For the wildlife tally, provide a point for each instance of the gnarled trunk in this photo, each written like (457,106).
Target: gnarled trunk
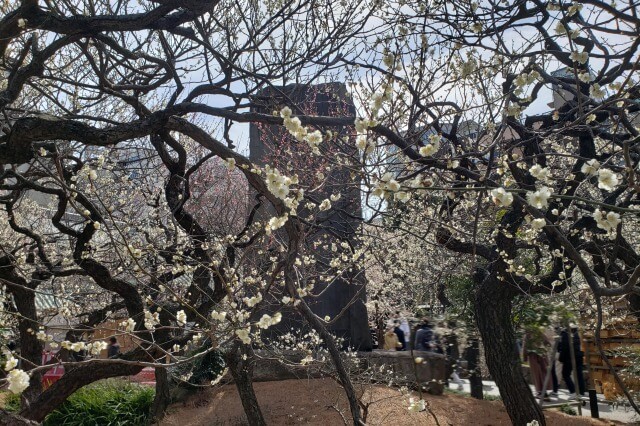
(242,371)
(71,381)
(162,398)
(493,314)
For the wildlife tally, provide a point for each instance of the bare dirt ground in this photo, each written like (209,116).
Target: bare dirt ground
(317,401)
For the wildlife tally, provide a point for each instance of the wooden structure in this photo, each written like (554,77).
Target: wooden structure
(621,335)
(112,328)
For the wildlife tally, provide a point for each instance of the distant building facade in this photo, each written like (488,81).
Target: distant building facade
(346,295)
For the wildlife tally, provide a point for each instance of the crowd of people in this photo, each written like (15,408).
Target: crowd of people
(400,336)
(536,349)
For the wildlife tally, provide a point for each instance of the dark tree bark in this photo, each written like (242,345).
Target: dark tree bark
(242,372)
(25,306)
(493,315)
(163,397)
(10,419)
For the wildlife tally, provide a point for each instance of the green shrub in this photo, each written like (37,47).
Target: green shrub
(12,402)
(566,408)
(203,369)
(108,403)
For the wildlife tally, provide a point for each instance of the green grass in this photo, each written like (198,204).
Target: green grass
(567,409)
(12,402)
(108,403)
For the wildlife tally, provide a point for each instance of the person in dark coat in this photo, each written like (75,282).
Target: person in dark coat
(113,349)
(400,334)
(452,351)
(565,359)
(424,337)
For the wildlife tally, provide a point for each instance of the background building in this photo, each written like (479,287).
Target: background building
(345,296)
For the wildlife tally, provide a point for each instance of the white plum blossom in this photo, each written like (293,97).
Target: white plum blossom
(580,57)
(129,325)
(218,316)
(608,221)
(96,347)
(590,168)
(11,363)
(540,198)
(243,335)
(151,320)
(276,223)
(402,196)
(277,183)
(253,301)
(432,147)
(230,163)
(295,128)
(501,197)
(607,179)
(416,405)
(267,321)
(393,185)
(286,112)
(585,77)
(314,139)
(78,346)
(538,223)
(325,205)
(18,381)
(597,92)
(362,125)
(514,109)
(181,318)
(540,172)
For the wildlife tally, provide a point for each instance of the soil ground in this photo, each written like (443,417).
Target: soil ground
(320,401)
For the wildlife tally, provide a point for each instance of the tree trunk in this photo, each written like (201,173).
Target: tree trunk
(163,397)
(71,381)
(242,372)
(475,376)
(11,419)
(30,346)
(493,314)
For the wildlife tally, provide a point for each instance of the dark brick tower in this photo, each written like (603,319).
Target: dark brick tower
(340,223)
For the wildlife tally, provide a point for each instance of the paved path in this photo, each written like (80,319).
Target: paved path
(607,410)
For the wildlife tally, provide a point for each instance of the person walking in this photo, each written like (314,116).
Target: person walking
(453,354)
(113,349)
(535,351)
(424,337)
(404,326)
(565,358)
